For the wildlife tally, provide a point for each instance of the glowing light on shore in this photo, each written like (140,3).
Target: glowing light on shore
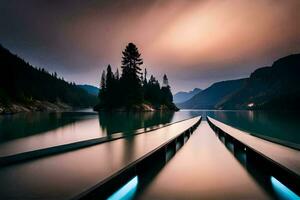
(250,105)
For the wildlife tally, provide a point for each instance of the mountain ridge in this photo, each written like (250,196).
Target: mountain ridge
(182,96)
(271,87)
(208,98)
(90,89)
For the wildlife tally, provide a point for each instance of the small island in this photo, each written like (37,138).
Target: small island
(132,91)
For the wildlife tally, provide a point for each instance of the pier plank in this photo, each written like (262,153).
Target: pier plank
(284,156)
(203,169)
(66,175)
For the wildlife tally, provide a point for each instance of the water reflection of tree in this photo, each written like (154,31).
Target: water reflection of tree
(26,124)
(113,122)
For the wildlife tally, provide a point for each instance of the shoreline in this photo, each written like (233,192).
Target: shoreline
(138,108)
(34,106)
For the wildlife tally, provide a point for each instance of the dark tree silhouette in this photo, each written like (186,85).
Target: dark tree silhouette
(165,81)
(103,81)
(131,60)
(145,77)
(132,88)
(109,84)
(117,76)
(130,79)
(166,94)
(111,89)
(22,83)
(102,91)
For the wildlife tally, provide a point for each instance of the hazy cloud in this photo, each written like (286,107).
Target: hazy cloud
(194,42)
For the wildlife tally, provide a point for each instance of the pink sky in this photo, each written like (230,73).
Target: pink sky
(195,42)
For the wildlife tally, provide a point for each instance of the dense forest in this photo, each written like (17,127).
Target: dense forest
(22,83)
(132,90)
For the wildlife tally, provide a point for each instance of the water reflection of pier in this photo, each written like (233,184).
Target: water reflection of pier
(271,158)
(77,173)
(165,163)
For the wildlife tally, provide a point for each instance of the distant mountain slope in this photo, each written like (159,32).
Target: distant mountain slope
(90,89)
(180,97)
(213,95)
(275,87)
(22,83)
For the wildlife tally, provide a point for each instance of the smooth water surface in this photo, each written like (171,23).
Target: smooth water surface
(279,127)
(31,131)
(66,175)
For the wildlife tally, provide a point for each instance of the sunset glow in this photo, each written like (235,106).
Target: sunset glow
(228,39)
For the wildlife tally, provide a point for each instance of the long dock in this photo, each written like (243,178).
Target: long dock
(22,153)
(79,173)
(279,160)
(203,169)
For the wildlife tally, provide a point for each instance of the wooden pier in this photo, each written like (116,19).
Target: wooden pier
(193,164)
(281,161)
(203,169)
(84,172)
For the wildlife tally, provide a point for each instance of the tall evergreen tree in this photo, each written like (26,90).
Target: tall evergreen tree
(152,91)
(165,81)
(103,81)
(116,93)
(131,60)
(102,91)
(166,94)
(109,78)
(131,71)
(145,76)
(117,76)
(110,88)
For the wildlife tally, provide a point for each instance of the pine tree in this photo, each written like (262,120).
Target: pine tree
(103,81)
(102,90)
(109,78)
(166,94)
(131,82)
(116,91)
(152,91)
(131,60)
(117,76)
(110,88)
(165,81)
(145,76)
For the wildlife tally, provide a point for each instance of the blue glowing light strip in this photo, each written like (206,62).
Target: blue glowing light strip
(127,191)
(283,191)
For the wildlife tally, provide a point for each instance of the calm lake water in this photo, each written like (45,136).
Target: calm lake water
(280,127)
(30,131)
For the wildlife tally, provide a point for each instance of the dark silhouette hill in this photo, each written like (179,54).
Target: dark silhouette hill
(274,87)
(23,84)
(90,89)
(180,97)
(213,95)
